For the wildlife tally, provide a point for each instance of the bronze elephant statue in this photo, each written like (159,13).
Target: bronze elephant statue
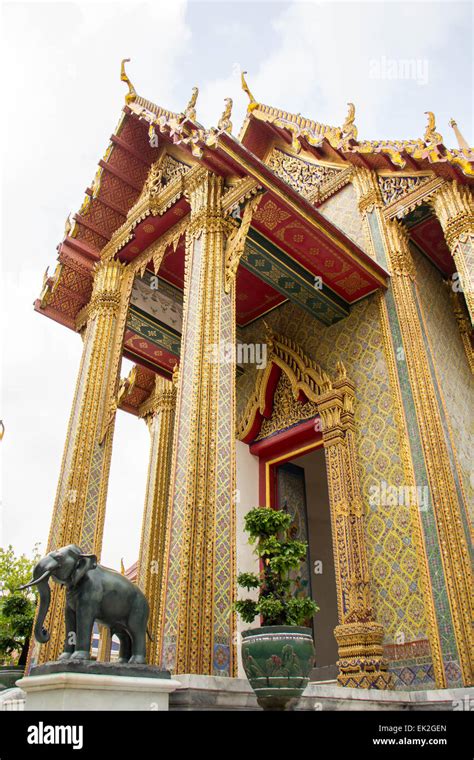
(93,593)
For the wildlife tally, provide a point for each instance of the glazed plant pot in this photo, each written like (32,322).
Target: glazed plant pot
(277,660)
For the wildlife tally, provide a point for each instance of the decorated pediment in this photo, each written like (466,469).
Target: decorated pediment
(396,186)
(306,177)
(287,410)
(162,172)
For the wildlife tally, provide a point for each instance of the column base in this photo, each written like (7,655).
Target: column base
(361,662)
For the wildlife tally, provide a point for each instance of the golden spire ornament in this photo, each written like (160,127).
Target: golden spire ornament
(131,94)
(349,129)
(431,136)
(225,124)
(253,103)
(190,110)
(67,226)
(2,429)
(462,142)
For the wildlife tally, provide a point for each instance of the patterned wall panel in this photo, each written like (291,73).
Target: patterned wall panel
(341,209)
(454,375)
(357,341)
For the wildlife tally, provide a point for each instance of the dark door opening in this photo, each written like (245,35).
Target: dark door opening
(301,489)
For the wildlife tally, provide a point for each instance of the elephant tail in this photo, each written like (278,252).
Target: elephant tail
(149,634)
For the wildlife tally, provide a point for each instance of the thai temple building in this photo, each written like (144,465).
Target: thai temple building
(298,305)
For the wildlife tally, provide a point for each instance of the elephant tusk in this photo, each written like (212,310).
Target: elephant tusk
(35,583)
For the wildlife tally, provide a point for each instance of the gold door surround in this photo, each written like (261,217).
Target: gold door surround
(359,637)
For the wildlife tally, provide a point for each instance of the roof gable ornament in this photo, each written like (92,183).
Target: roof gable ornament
(224,124)
(253,103)
(431,136)
(349,129)
(430,148)
(132,93)
(190,110)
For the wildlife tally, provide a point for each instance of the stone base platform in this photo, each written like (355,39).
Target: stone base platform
(97,686)
(56,690)
(218,693)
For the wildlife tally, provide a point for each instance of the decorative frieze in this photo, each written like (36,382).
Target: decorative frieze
(302,176)
(396,186)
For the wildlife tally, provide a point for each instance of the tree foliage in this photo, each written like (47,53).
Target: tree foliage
(17,608)
(280,556)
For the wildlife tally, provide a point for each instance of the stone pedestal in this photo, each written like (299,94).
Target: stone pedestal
(97,686)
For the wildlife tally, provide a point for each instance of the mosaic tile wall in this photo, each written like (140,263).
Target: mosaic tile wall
(357,341)
(454,375)
(341,209)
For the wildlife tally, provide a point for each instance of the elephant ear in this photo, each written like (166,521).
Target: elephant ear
(85,563)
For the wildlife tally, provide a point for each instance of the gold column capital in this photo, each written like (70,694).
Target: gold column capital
(454,206)
(162,398)
(204,190)
(331,409)
(106,291)
(398,249)
(367,187)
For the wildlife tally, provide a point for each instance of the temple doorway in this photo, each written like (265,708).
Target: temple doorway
(293,477)
(301,489)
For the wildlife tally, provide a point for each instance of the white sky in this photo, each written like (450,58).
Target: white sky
(61,98)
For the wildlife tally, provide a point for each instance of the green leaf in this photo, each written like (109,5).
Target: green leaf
(247,610)
(248,580)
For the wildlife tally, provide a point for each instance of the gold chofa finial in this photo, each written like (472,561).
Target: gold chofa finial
(431,136)
(349,129)
(2,429)
(67,225)
(131,94)
(122,566)
(462,142)
(190,110)
(224,123)
(253,103)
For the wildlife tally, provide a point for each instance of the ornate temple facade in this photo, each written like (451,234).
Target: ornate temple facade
(298,307)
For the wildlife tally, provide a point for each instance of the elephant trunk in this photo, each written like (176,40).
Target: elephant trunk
(41,573)
(41,634)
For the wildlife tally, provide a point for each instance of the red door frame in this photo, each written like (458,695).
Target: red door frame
(276,449)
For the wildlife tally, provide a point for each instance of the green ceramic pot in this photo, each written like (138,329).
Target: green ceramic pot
(277,660)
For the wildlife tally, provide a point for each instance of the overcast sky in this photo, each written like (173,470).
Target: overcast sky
(61,99)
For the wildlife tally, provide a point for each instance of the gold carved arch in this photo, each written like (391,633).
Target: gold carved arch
(359,636)
(307,380)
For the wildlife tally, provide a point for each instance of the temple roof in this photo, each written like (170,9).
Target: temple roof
(293,237)
(429,152)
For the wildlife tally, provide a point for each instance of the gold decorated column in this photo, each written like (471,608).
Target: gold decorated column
(200,552)
(439,531)
(464,324)
(79,509)
(104,649)
(447,499)
(454,207)
(359,636)
(158,412)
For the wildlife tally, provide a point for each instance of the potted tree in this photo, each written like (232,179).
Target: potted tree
(277,656)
